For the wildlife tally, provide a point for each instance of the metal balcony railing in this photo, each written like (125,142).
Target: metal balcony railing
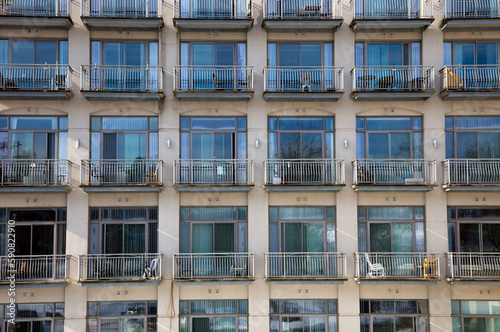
(213,78)
(387,265)
(471,78)
(304,172)
(122,8)
(101,172)
(391,9)
(36,268)
(39,8)
(213,9)
(121,78)
(472,265)
(119,267)
(409,172)
(303,9)
(469,8)
(214,266)
(304,79)
(305,265)
(471,171)
(392,78)
(214,172)
(35,172)
(45,77)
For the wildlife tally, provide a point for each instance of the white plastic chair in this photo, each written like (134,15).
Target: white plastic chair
(375,270)
(151,271)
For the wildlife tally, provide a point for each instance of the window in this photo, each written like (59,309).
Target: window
(394,315)
(29,52)
(111,53)
(33,137)
(301,138)
(215,66)
(389,137)
(396,229)
(124,138)
(472,229)
(387,54)
(140,316)
(211,316)
(470,53)
(475,316)
(297,66)
(216,148)
(116,230)
(34,317)
(303,315)
(472,137)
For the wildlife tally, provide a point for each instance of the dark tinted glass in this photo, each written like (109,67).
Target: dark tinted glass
(33,215)
(205,123)
(305,123)
(388,123)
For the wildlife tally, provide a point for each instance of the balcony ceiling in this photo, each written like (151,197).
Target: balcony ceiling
(214,95)
(376,25)
(391,95)
(35,95)
(36,22)
(123,95)
(303,96)
(470,24)
(392,188)
(122,23)
(200,24)
(470,95)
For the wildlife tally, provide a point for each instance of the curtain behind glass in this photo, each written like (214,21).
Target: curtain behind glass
(202,238)
(224,237)
(202,324)
(225,324)
(134,238)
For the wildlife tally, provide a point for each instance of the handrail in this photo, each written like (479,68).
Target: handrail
(38,8)
(390,265)
(394,172)
(213,172)
(122,8)
(215,266)
(471,172)
(121,78)
(35,77)
(213,78)
(216,10)
(302,9)
(121,267)
(470,77)
(392,78)
(304,172)
(35,268)
(391,9)
(303,79)
(305,265)
(469,9)
(472,265)
(98,172)
(35,172)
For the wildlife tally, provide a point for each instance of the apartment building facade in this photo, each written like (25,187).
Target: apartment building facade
(207,165)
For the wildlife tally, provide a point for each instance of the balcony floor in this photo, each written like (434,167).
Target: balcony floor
(214,95)
(471,94)
(124,96)
(472,188)
(289,25)
(392,188)
(397,281)
(377,25)
(470,24)
(137,188)
(199,24)
(391,95)
(35,95)
(302,96)
(38,22)
(302,188)
(196,188)
(113,23)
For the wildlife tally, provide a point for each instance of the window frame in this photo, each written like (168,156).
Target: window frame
(147,317)
(419,305)
(279,315)
(475,42)
(459,316)
(97,49)
(363,58)
(183,316)
(58,42)
(4,323)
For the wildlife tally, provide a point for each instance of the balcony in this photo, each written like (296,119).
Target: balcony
(297,15)
(122,14)
(137,175)
(204,83)
(303,83)
(194,175)
(304,174)
(471,174)
(35,82)
(35,175)
(213,14)
(470,82)
(472,266)
(385,83)
(214,267)
(132,83)
(391,15)
(393,175)
(396,267)
(469,15)
(119,267)
(39,14)
(302,266)
(40,269)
